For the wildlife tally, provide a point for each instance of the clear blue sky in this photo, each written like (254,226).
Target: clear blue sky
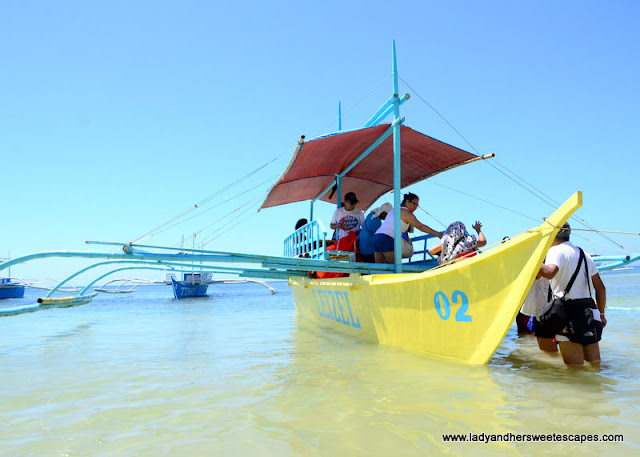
(117,116)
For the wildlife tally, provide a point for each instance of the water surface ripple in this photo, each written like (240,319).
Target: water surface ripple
(239,373)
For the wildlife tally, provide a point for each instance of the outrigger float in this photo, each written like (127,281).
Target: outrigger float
(460,311)
(613,262)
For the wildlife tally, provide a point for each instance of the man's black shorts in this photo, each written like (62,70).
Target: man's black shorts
(582,328)
(540,331)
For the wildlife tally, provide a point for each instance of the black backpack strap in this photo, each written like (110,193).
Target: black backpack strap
(575,274)
(586,271)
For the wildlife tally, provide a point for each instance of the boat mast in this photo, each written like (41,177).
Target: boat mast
(396,163)
(338,177)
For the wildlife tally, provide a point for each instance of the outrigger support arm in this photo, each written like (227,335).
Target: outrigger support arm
(272,266)
(164,266)
(88,286)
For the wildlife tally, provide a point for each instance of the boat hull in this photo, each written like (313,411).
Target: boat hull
(461,311)
(11,291)
(182,289)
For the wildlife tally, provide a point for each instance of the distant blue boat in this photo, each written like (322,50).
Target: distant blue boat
(10,288)
(191,285)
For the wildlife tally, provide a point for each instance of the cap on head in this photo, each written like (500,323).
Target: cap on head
(351,198)
(564,232)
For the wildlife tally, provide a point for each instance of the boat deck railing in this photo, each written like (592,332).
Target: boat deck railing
(308,241)
(421,255)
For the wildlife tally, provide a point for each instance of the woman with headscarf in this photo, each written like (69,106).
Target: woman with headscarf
(458,243)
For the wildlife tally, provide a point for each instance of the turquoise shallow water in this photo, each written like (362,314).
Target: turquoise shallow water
(239,373)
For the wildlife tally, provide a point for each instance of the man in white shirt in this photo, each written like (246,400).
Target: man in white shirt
(579,340)
(347,218)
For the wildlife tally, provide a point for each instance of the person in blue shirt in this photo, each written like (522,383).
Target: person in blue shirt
(371,223)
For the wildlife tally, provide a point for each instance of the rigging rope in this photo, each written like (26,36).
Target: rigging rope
(248,207)
(270,179)
(602,231)
(522,214)
(431,216)
(524,183)
(486,201)
(162,227)
(322,130)
(157,229)
(257,199)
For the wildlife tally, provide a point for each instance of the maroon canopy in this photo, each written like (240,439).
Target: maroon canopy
(315,164)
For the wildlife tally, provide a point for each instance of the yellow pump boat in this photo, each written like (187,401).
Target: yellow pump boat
(461,311)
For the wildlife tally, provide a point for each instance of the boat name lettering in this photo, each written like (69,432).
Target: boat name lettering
(334,305)
(443,308)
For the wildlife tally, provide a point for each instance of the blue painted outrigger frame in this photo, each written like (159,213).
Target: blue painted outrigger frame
(611,262)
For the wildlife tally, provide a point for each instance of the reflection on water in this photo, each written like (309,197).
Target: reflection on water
(347,398)
(240,374)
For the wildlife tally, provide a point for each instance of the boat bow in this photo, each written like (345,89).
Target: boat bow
(460,311)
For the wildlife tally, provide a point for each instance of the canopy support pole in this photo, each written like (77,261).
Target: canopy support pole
(397,248)
(338,177)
